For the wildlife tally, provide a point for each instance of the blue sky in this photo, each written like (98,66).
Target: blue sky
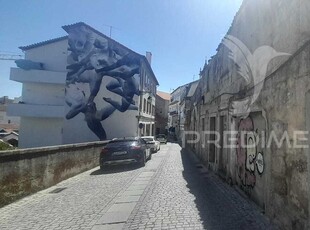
(181,34)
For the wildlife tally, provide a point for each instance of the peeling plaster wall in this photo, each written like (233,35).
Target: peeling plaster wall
(26,171)
(282,190)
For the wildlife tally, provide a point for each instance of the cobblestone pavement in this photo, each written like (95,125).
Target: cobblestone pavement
(182,198)
(168,193)
(79,206)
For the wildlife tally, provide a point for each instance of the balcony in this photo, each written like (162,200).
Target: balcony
(38,76)
(31,110)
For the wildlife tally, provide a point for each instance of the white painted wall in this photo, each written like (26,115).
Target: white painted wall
(38,132)
(4,118)
(43,94)
(53,56)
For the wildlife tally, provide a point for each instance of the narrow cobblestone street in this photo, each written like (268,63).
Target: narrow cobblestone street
(168,193)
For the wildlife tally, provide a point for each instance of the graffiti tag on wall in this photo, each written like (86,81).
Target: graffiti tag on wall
(247,157)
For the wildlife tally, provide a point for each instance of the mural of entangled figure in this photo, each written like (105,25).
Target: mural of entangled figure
(91,58)
(78,103)
(246,152)
(124,89)
(124,84)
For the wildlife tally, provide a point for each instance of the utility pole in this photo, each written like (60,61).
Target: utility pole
(111,27)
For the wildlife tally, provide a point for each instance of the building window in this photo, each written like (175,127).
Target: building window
(144,105)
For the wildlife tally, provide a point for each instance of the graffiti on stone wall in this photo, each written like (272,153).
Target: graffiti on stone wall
(91,58)
(248,160)
(260,163)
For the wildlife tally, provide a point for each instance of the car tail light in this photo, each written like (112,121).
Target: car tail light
(137,156)
(103,151)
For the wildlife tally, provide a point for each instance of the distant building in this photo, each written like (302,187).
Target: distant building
(161,112)
(5,119)
(9,125)
(9,136)
(83,87)
(176,108)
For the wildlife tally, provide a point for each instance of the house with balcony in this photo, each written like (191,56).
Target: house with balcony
(83,87)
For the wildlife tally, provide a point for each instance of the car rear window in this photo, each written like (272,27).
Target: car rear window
(121,142)
(148,139)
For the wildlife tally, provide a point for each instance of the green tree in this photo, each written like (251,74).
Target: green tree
(5,146)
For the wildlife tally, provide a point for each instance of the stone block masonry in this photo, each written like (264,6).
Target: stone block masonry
(26,171)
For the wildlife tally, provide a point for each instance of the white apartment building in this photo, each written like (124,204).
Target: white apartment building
(83,87)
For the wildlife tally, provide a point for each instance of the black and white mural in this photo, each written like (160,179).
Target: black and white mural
(92,58)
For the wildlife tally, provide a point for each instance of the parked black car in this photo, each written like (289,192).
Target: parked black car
(125,151)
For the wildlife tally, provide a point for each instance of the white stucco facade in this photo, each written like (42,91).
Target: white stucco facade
(49,98)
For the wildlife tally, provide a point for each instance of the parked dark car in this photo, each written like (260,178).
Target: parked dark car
(125,151)
(161,138)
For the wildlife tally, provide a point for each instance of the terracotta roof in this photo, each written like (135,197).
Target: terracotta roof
(163,95)
(9,127)
(35,45)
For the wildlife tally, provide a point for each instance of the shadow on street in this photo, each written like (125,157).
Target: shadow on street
(220,206)
(115,169)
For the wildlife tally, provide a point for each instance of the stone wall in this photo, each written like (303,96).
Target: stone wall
(26,171)
(281,187)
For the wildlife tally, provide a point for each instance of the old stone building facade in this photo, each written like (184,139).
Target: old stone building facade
(161,112)
(250,115)
(177,108)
